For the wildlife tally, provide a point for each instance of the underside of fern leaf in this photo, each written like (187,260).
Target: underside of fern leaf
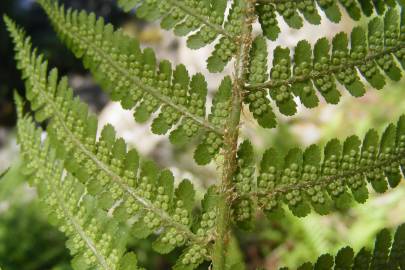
(121,183)
(134,77)
(303,179)
(376,54)
(202,21)
(101,193)
(95,239)
(292,12)
(388,254)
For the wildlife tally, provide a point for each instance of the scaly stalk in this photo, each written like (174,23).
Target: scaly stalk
(231,138)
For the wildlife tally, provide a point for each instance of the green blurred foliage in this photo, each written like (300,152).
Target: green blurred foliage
(27,241)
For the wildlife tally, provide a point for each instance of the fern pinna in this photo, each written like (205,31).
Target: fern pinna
(101,193)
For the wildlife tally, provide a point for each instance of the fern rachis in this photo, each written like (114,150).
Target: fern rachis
(132,197)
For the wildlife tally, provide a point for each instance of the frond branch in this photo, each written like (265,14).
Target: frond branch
(305,180)
(371,57)
(124,73)
(23,46)
(81,231)
(324,181)
(388,253)
(164,99)
(47,175)
(148,205)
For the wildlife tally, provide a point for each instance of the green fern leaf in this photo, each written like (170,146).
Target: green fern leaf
(362,260)
(324,262)
(133,76)
(372,53)
(281,70)
(201,21)
(194,255)
(259,105)
(112,175)
(270,167)
(305,89)
(221,107)
(293,11)
(368,6)
(369,153)
(128,261)
(381,250)
(386,255)
(306,266)
(95,240)
(301,180)
(244,205)
(351,153)
(344,258)
(226,47)
(268,21)
(397,256)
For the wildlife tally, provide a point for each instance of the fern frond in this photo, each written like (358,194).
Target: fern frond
(292,12)
(114,176)
(302,179)
(202,21)
(372,53)
(95,240)
(133,77)
(388,254)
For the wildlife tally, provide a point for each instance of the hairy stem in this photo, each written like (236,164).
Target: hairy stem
(231,138)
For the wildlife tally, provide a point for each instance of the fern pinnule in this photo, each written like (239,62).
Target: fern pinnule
(244,206)
(388,253)
(212,143)
(259,104)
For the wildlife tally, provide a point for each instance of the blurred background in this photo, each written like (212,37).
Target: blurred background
(28,242)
